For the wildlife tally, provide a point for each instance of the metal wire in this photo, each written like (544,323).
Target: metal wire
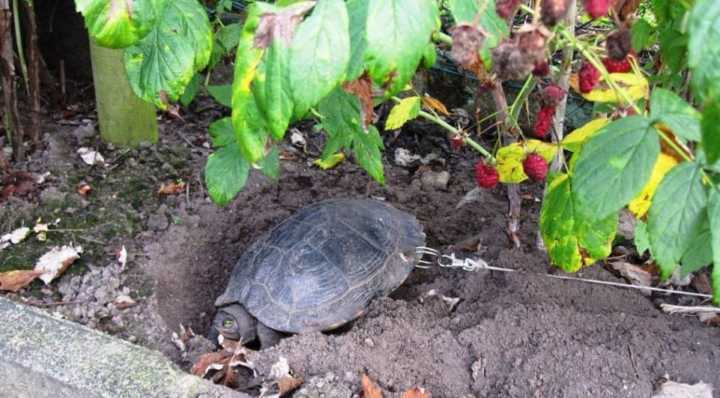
(473,265)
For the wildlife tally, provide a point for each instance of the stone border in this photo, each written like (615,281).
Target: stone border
(42,356)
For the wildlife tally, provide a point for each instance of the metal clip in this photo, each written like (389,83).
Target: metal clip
(448,261)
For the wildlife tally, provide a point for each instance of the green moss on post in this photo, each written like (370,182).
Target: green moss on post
(124,118)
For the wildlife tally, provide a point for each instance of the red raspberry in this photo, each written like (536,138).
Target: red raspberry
(597,8)
(614,66)
(589,77)
(552,11)
(552,94)
(543,120)
(505,8)
(535,167)
(541,68)
(486,176)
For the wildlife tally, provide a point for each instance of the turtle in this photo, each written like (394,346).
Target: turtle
(317,270)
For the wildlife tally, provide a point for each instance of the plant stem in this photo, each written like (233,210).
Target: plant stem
(442,38)
(447,126)
(19,44)
(563,81)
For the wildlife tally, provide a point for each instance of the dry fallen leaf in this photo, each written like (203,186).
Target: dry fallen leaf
(415,393)
(56,261)
(123,302)
(122,257)
(171,188)
(287,384)
(16,236)
(636,275)
(12,281)
(90,157)
(370,389)
(435,104)
(211,361)
(83,189)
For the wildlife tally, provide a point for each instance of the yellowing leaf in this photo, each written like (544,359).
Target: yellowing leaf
(407,109)
(435,104)
(574,141)
(640,205)
(509,158)
(330,162)
(636,87)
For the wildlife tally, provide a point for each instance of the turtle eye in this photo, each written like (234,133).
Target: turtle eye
(228,323)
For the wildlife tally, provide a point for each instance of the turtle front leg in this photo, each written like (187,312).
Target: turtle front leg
(267,336)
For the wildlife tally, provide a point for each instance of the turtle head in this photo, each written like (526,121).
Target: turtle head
(235,323)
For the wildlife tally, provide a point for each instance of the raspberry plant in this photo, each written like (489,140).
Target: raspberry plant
(653,146)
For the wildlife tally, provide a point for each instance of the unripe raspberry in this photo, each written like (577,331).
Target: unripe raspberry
(535,167)
(597,8)
(614,66)
(505,8)
(543,121)
(552,11)
(619,44)
(486,176)
(552,94)
(589,77)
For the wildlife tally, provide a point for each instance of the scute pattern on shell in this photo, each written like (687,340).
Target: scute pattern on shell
(320,267)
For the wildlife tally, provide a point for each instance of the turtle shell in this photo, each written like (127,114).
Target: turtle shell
(320,267)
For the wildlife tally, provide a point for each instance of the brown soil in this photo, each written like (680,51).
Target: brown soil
(510,335)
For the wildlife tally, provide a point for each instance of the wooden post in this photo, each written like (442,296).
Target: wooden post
(124,119)
(11,120)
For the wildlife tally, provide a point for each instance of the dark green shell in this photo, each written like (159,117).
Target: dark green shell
(320,268)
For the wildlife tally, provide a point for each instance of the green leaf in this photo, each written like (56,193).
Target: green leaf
(161,65)
(398,32)
(248,122)
(668,108)
(699,254)
(342,122)
(714,217)
(222,94)
(191,90)
(675,214)
(228,36)
(358,13)
(367,147)
(430,56)
(642,240)
(271,88)
(641,34)
(407,109)
(119,24)
(704,48)
(319,54)
(226,173)
(341,113)
(711,130)
(330,162)
(614,165)
(572,239)
(270,164)
(221,133)
(494,27)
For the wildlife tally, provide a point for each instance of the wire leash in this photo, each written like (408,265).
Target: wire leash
(473,265)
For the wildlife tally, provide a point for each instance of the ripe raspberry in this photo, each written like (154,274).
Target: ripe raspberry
(597,8)
(552,11)
(619,44)
(505,8)
(589,77)
(614,66)
(486,176)
(543,120)
(535,167)
(552,94)
(541,69)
